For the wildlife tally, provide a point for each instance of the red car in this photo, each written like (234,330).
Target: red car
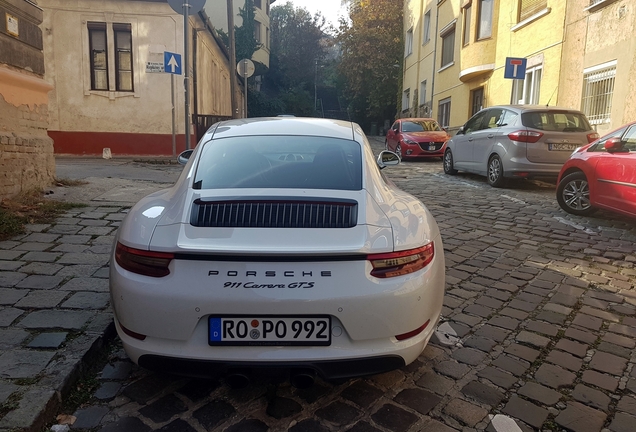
(416,138)
(601,175)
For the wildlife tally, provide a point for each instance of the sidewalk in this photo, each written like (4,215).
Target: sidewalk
(54,300)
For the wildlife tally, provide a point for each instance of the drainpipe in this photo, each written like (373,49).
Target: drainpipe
(195,98)
(434,57)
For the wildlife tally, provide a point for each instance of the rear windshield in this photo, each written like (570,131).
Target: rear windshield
(557,121)
(280,162)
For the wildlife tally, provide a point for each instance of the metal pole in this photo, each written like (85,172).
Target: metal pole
(186,66)
(315,87)
(174,125)
(245,82)
(230,32)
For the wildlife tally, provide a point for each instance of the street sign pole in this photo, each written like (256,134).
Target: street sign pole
(186,67)
(245,82)
(174,126)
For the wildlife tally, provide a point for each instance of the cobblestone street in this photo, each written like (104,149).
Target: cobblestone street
(538,329)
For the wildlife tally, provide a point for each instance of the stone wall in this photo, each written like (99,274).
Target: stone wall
(26,151)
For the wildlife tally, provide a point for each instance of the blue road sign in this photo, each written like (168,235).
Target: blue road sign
(515,68)
(172,63)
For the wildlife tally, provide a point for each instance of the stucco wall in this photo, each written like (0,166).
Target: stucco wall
(26,152)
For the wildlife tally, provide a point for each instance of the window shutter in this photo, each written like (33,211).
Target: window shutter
(527,8)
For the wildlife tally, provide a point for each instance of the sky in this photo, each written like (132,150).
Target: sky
(330,9)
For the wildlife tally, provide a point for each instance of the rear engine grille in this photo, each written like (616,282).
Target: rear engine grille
(426,146)
(275,214)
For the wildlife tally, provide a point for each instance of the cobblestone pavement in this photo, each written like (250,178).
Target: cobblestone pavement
(538,331)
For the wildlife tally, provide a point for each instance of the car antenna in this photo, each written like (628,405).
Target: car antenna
(555,89)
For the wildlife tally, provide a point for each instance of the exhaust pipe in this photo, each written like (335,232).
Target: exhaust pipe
(238,378)
(302,378)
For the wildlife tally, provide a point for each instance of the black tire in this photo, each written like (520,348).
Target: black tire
(573,194)
(495,172)
(448,163)
(398,151)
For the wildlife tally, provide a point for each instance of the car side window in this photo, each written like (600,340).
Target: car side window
(629,140)
(600,145)
(396,126)
(493,118)
(475,123)
(508,118)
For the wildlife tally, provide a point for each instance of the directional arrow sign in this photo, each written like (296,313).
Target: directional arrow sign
(172,62)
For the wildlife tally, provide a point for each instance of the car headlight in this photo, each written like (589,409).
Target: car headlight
(408,141)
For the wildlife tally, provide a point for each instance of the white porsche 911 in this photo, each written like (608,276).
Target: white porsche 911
(281,244)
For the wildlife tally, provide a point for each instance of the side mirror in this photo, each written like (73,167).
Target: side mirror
(387,158)
(460,131)
(184,156)
(614,145)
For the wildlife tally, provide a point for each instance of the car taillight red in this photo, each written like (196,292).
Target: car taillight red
(592,137)
(147,263)
(412,333)
(393,264)
(525,136)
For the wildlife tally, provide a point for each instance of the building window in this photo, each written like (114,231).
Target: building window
(477,100)
(443,112)
(123,57)
(466,35)
(423,92)
(598,89)
(484,21)
(448,46)
(266,37)
(527,91)
(408,43)
(406,99)
(258,4)
(427,27)
(257,31)
(527,8)
(98,55)
(267,7)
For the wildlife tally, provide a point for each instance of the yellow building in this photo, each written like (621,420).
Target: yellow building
(458,57)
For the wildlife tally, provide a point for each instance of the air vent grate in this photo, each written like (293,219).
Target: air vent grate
(275,214)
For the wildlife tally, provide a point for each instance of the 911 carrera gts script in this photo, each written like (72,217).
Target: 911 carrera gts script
(254,285)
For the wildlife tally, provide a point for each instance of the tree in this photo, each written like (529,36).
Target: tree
(371,45)
(246,44)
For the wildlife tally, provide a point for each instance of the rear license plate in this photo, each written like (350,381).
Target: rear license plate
(267,330)
(561,147)
(431,146)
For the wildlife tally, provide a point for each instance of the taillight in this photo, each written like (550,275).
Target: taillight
(412,333)
(143,262)
(591,137)
(393,264)
(525,136)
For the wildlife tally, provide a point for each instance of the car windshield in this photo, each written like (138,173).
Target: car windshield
(556,121)
(420,126)
(294,162)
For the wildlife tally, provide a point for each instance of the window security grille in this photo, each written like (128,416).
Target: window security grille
(598,89)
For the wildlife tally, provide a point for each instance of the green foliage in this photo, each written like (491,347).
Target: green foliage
(371,44)
(246,44)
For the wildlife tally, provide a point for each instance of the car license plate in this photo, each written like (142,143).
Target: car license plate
(431,146)
(561,147)
(269,330)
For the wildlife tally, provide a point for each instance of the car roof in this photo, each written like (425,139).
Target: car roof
(284,126)
(542,108)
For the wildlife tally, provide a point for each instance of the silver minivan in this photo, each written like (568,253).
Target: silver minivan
(517,141)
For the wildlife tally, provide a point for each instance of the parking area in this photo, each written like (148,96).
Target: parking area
(538,333)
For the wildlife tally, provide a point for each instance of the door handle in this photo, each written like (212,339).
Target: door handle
(470,139)
(490,135)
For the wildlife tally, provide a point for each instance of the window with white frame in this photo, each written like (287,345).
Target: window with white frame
(423,92)
(406,99)
(102,52)
(527,91)
(484,19)
(598,90)
(443,112)
(408,42)
(527,8)
(427,27)
(448,45)
(257,31)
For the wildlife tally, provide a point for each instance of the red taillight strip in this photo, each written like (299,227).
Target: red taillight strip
(132,333)
(414,332)
(386,265)
(147,263)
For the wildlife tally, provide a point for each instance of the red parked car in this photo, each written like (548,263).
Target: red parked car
(416,138)
(601,175)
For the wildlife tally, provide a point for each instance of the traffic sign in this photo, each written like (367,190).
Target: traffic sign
(515,68)
(245,68)
(172,62)
(193,6)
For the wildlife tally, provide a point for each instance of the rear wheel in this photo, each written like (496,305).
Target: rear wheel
(495,172)
(573,194)
(448,163)
(398,151)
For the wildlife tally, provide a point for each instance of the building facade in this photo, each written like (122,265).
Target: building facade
(217,10)
(576,53)
(26,151)
(105,59)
